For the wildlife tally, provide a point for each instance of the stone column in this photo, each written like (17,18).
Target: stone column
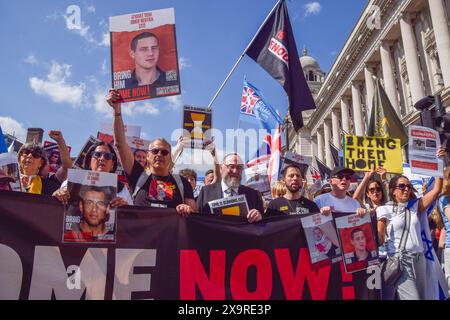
(388,73)
(442,36)
(344,115)
(370,86)
(335,126)
(411,57)
(327,133)
(320,145)
(357,109)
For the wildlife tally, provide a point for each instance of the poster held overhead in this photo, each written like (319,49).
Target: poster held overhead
(197,125)
(423,145)
(144,55)
(367,153)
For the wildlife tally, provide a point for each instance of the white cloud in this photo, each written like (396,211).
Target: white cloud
(104,67)
(183,63)
(55,86)
(13,127)
(54,16)
(91,8)
(31,59)
(312,8)
(175,103)
(106,40)
(134,109)
(100,104)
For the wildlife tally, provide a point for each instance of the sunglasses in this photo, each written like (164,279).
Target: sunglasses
(373,190)
(106,155)
(163,152)
(35,153)
(343,176)
(404,186)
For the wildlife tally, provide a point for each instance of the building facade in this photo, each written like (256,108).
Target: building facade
(405,44)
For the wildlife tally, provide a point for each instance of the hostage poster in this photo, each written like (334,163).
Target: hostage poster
(144,56)
(89,217)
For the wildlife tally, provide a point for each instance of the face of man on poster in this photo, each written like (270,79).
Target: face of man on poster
(145,53)
(359,241)
(94,208)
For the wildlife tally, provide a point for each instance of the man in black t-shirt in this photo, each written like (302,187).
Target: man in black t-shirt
(292,202)
(160,188)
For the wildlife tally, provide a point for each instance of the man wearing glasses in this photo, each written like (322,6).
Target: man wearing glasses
(160,189)
(229,186)
(337,200)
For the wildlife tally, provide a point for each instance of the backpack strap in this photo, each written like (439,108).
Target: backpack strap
(180,185)
(140,183)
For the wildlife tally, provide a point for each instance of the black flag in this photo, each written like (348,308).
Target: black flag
(325,171)
(274,49)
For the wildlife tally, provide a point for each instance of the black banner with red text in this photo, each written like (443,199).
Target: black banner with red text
(160,255)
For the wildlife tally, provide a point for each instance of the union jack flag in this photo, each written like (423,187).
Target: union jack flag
(250,97)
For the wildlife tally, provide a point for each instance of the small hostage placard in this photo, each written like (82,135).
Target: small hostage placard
(423,145)
(144,55)
(231,206)
(366,153)
(197,124)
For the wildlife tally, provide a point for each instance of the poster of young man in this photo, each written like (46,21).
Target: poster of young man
(144,55)
(322,239)
(357,242)
(53,156)
(88,217)
(197,125)
(9,172)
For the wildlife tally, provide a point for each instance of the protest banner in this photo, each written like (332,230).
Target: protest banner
(78,163)
(144,55)
(367,153)
(231,206)
(161,255)
(197,125)
(130,130)
(357,241)
(9,167)
(53,155)
(88,217)
(322,239)
(258,179)
(293,158)
(423,145)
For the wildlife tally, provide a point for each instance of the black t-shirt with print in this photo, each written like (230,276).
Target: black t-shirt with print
(158,191)
(291,207)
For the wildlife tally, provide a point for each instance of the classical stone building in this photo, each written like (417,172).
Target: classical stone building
(406,44)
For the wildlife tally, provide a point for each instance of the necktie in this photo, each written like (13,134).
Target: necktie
(230,192)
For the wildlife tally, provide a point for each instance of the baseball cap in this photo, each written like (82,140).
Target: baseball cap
(341,170)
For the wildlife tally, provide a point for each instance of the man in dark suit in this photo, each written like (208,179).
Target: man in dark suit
(230,185)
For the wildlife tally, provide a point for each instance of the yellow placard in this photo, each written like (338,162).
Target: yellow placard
(366,153)
(231,211)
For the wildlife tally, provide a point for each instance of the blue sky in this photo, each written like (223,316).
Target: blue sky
(56,78)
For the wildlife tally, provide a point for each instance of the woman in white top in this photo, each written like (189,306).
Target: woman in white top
(391,221)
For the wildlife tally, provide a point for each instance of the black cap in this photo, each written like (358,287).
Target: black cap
(343,170)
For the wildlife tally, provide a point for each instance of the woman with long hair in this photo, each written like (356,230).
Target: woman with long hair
(391,217)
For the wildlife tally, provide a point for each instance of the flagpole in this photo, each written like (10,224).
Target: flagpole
(242,55)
